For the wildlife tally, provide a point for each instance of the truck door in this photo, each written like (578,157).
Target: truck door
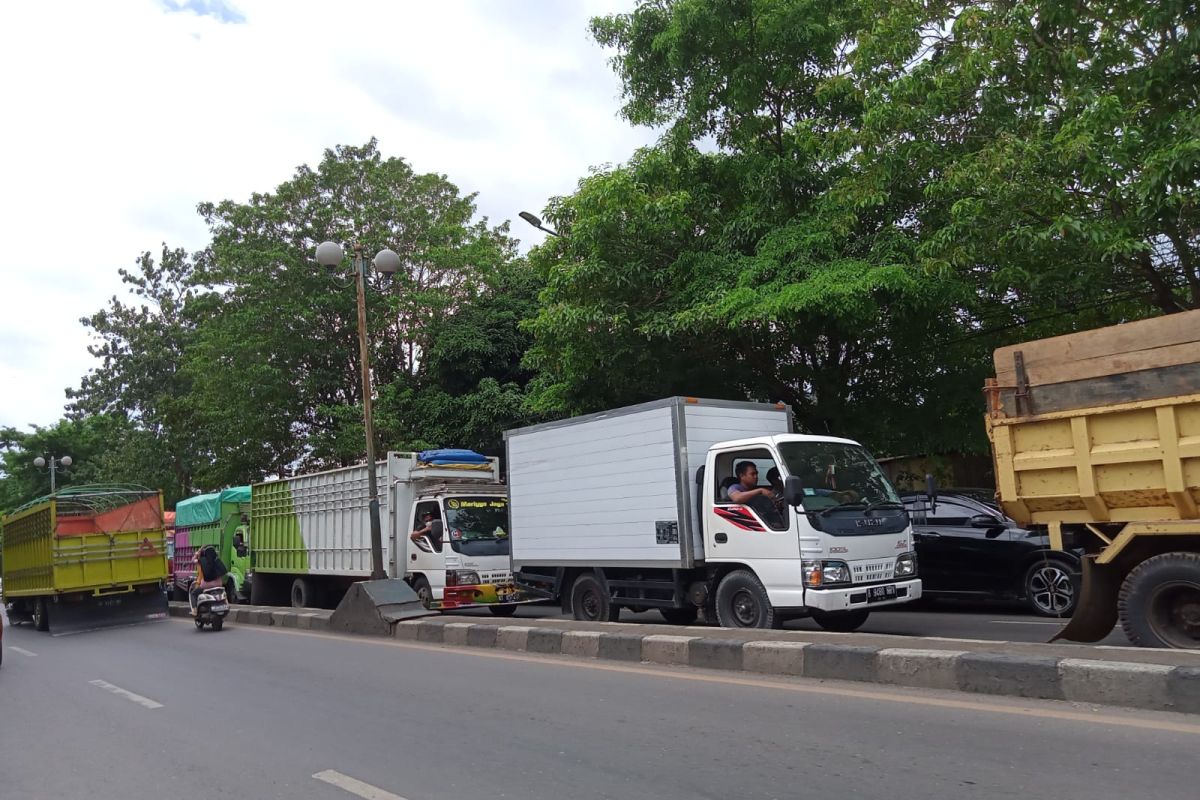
(759,527)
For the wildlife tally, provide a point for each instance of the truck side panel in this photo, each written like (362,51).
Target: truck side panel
(1135,462)
(595,492)
(317,524)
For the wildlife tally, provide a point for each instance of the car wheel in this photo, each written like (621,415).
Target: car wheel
(1050,589)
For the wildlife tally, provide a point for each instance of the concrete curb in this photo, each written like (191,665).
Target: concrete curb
(1153,687)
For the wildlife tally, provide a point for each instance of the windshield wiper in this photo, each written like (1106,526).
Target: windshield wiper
(841,506)
(878,504)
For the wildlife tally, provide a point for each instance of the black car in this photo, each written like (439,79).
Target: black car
(967,548)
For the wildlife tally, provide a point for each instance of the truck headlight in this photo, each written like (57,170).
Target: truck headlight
(462,577)
(906,565)
(825,573)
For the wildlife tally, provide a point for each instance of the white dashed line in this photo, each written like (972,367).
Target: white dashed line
(135,698)
(23,651)
(356,787)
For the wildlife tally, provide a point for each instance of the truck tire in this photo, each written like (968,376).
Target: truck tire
(41,615)
(742,602)
(680,616)
(424,591)
(302,593)
(590,601)
(840,621)
(1159,603)
(231,593)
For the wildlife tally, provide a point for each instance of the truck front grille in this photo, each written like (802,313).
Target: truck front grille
(872,571)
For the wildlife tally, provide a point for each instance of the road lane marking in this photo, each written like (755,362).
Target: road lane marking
(128,695)
(22,651)
(806,687)
(348,784)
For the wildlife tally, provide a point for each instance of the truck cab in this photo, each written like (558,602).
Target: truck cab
(456,541)
(827,507)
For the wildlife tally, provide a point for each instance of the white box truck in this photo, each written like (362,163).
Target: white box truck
(310,535)
(685,505)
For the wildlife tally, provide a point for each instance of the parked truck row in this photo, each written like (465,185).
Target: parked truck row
(690,507)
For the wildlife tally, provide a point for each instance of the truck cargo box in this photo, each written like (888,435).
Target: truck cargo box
(619,487)
(1100,426)
(85,539)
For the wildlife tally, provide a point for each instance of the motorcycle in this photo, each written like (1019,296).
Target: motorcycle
(210,607)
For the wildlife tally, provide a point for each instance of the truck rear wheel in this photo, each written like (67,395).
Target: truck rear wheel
(41,615)
(840,621)
(590,601)
(1159,604)
(302,593)
(742,602)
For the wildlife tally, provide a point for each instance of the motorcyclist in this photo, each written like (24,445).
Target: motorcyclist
(206,557)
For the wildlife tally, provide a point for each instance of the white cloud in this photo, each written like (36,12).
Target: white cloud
(121,117)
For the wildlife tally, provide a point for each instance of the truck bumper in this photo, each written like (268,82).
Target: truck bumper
(856,597)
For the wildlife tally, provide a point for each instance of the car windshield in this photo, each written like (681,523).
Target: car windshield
(473,519)
(833,473)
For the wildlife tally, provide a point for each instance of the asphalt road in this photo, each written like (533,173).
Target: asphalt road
(162,711)
(944,618)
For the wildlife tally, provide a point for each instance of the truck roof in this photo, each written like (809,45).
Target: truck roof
(785,437)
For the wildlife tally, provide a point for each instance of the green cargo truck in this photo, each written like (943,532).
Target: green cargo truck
(213,519)
(86,557)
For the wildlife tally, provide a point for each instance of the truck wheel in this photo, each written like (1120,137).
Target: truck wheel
(840,621)
(231,591)
(502,611)
(680,616)
(742,602)
(424,590)
(41,615)
(1050,588)
(1159,603)
(302,593)
(590,601)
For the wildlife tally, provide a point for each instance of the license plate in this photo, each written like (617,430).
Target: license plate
(221,607)
(877,594)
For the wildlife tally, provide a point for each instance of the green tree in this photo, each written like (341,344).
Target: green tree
(142,379)
(277,370)
(1056,143)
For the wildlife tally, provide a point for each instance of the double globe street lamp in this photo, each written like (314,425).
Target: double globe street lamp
(386,262)
(53,463)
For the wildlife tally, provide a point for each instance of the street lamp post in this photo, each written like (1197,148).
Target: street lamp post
(386,262)
(53,463)
(536,222)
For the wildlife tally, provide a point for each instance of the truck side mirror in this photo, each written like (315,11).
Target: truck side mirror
(931,491)
(793,491)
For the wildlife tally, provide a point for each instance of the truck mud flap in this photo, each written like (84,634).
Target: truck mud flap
(1096,612)
(68,617)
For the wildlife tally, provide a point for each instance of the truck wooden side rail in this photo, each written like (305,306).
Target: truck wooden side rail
(1098,434)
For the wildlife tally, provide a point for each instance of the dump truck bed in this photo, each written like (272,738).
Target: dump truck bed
(1100,426)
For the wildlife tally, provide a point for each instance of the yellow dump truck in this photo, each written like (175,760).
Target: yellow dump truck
(1097,436)
(86,557)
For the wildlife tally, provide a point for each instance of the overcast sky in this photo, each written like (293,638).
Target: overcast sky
(120,116)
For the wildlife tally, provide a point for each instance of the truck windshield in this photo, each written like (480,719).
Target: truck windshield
(834,473)
(473,519)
